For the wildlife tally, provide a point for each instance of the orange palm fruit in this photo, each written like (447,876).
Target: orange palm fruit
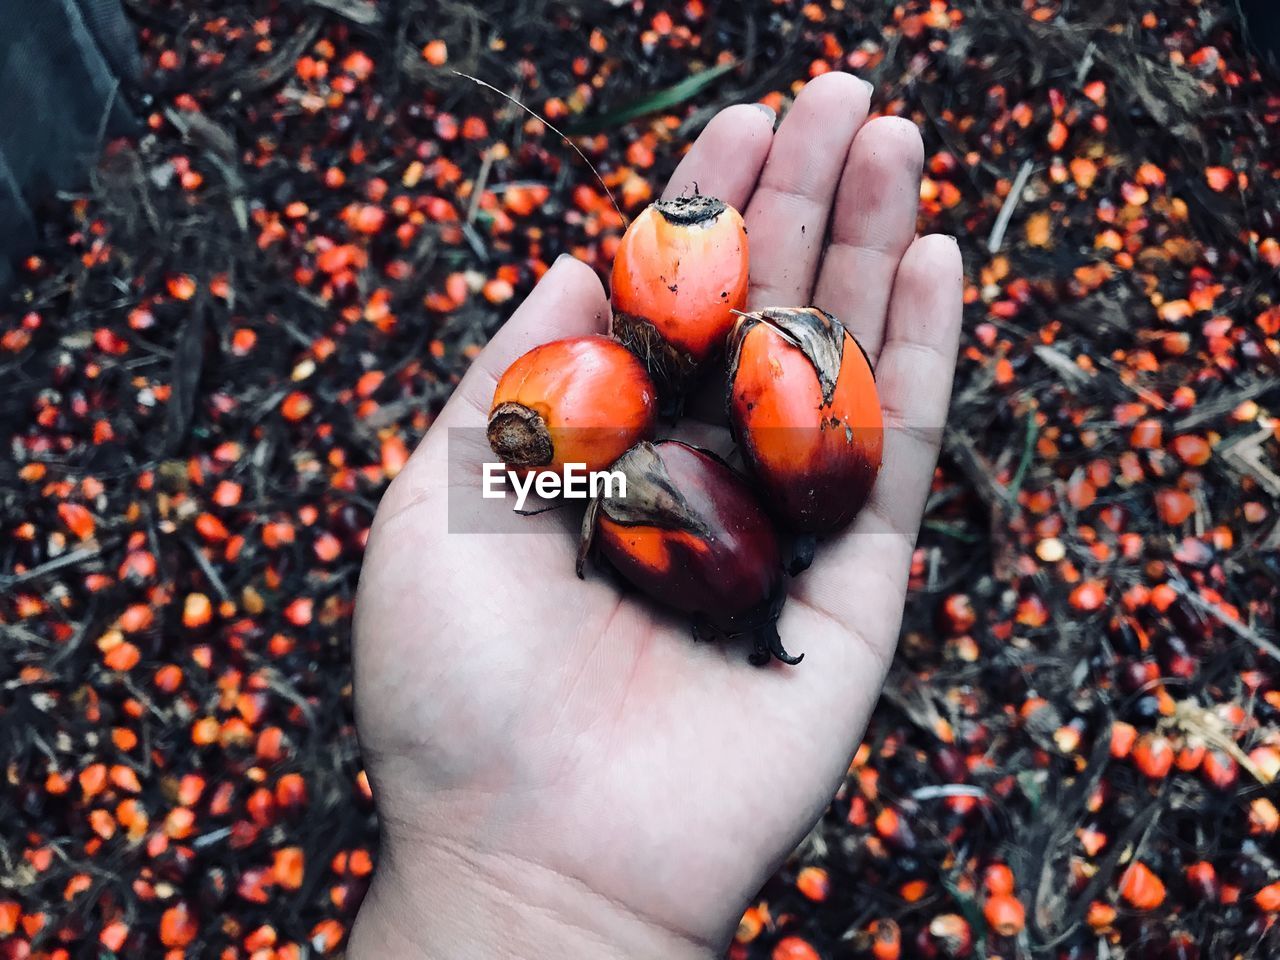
(998,880)
(1153,755)
(583,400)
(1005,914)
(679,274)
(886,940)
(794,948)
(1268,898)
(803,406)
(177,926)
(1141,887)
(687,531)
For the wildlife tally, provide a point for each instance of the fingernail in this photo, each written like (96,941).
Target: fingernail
(561,259)
(767,110)
(871,89)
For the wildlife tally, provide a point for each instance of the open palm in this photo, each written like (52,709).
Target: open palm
(555,761)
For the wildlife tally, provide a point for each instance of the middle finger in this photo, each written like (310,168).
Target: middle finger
(787,218)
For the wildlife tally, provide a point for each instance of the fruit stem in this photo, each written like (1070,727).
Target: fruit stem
(803,547)
(768,645)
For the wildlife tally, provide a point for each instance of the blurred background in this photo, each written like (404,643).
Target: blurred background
(251,246)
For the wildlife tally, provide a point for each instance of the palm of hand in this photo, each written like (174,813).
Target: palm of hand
(548,730)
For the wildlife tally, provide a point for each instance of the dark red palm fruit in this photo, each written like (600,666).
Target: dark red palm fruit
(581,400)
(691,535)
(678,276)
(803,406)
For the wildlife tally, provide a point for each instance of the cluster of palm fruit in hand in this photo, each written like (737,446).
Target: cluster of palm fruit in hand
(800,398)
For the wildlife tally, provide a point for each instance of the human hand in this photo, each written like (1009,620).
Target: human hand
(559,769)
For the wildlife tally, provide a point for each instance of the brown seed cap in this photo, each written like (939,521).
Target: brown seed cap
(690,211)
(519,436)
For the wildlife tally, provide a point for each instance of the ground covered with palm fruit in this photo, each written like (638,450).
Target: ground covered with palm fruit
(219,356)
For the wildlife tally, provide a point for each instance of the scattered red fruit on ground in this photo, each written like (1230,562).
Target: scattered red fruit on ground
(177,927)
(216,418)
(1141,888)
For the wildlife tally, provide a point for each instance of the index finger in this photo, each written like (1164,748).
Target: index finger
(726,159)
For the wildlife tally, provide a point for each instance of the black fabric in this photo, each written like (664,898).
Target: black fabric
(64,66)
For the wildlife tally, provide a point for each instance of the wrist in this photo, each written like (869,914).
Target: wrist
(453,903)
